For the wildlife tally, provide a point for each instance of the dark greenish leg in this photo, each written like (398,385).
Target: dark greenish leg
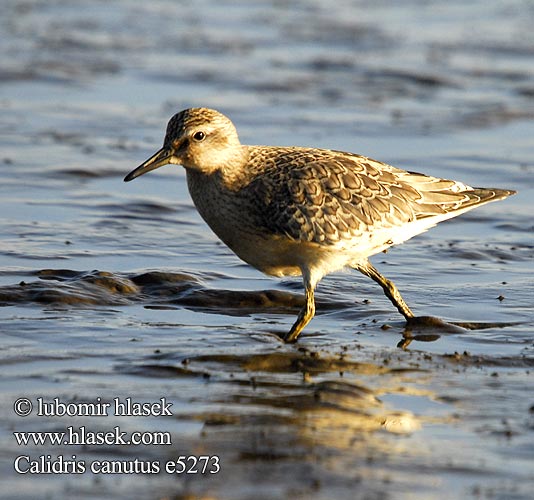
(306,313)
(391,291)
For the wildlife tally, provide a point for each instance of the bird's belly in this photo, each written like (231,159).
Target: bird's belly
(281,256)
(273,256)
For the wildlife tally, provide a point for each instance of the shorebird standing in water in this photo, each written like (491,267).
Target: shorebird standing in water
(292,211)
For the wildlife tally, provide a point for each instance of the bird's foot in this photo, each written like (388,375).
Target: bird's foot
(426,329)
(290,337)
(431,323)
(430,328)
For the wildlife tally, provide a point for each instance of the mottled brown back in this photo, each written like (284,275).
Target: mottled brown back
(327,196)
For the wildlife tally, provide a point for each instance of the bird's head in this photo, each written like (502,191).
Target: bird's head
(199,139)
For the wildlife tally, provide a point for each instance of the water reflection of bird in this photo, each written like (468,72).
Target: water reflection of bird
(304,211)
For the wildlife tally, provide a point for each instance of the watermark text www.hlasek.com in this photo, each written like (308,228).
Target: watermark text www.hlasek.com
(82,436)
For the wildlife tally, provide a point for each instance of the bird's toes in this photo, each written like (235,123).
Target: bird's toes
(431,323)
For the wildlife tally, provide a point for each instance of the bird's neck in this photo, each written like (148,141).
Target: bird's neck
(229,172)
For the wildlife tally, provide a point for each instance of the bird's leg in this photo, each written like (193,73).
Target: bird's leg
(391,291)
(306,313)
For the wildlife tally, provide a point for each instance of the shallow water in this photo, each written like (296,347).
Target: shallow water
(119,290)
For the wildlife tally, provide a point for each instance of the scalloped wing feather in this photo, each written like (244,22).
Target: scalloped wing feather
(331,197)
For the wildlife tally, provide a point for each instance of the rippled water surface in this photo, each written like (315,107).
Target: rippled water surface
(112,290)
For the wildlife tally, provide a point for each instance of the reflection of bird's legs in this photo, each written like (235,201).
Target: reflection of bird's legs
(307,312)
(406,341)
(391,291)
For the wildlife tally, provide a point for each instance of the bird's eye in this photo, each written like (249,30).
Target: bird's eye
(199,136)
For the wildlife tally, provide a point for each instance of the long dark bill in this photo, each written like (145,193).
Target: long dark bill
(161,158)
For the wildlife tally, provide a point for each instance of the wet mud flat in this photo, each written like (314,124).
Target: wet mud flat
(303,423)
(112,292)
(288,420)
(343,414)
